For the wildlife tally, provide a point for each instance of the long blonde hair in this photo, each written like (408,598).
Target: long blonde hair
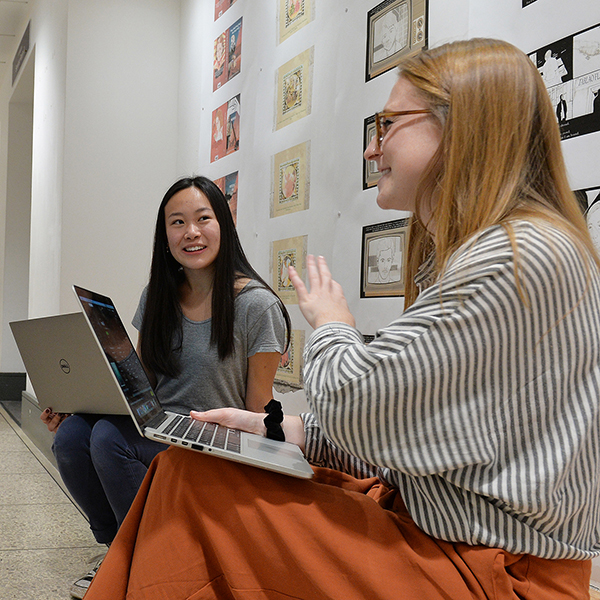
(500,156)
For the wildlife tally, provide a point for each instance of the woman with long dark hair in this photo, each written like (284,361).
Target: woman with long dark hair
(212,333)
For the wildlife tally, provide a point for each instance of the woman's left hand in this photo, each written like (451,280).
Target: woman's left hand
(233,418)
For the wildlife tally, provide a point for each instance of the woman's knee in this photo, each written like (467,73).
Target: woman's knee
(105,437)
(72,437)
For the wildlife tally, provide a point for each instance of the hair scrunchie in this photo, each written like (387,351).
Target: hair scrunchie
(273,421)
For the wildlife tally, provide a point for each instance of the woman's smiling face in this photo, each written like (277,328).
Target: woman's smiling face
(407,148)
(193,232)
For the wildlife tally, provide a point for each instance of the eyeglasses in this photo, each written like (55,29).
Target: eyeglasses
(383,123)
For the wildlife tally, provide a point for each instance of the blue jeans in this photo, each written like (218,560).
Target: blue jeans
(102,460)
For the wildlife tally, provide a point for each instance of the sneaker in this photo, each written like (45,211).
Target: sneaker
(80,587)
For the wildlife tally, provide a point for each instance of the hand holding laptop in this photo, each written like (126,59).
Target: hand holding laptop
(52,419)
(252,422)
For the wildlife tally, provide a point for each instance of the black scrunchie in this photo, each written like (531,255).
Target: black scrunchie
(273,421)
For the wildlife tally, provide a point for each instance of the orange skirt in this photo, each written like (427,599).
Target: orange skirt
(204,528)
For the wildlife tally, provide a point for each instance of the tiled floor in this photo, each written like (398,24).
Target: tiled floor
(45,542)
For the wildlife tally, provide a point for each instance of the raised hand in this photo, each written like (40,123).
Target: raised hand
(325,302)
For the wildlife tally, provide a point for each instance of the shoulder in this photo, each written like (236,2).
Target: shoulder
(255,293)
(518,240)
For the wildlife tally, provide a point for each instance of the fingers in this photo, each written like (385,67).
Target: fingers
(297,282)
(51,419)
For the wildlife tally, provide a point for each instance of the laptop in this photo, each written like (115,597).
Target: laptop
(66,368)
(153,422)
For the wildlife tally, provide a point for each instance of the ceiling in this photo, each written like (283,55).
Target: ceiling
(13,20)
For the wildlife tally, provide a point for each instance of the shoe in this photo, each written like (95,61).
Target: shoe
(80,587)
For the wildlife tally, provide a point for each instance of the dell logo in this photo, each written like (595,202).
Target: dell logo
(65,367)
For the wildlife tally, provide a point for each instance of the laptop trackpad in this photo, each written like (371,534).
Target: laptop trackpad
(271,448)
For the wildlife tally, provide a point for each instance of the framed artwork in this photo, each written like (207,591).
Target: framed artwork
(395,28)
(288,376)
(291,182)
(293,15)
(225,130)
(285,253)
(370,173)
(527,3)
(294,88)
(227,55)
(229,186)
(383,253)
(221,6)
(589,200)
(570,68)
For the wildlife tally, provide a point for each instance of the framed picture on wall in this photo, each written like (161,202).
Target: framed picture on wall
(383,252)
(570,68)
(294,89)
(286,253)
(227,55)
(395,28)
(225,129)
(288,376)
(293,15)
(291,182)
(370,173)
(221,6)
(589,200)
(229,186)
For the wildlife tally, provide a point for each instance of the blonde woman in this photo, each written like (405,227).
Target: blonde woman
(474,415)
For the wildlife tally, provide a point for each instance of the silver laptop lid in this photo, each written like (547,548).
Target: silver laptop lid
(66,367)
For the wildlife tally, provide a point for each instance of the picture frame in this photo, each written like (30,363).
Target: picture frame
(589,201)
(570,68)
(288,376)
(371,174)
(221,6)
(395,29)
(229,186)
(290,180)
(294,89)
(292,16)
(225,129)
(285,253)
(227,55)
(384,247)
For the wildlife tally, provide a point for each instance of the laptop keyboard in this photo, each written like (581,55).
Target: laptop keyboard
(207,434)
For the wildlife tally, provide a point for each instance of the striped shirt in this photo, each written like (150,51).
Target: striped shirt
(483,409)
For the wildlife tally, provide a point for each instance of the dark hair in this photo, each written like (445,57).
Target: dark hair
(161,331)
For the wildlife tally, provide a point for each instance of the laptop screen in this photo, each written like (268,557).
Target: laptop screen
(121,355)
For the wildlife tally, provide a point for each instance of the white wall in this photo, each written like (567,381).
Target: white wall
(48,41)
(120,142)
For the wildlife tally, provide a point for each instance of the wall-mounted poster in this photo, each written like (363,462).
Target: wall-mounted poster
(288,376)
(383,253)
(294,89)
(221,6)
(395,28)
(285,253)
(227,58)
(293,15)
(589,200)
(571,71)
(291,180)
(229,186)
(225,133)
(371,174)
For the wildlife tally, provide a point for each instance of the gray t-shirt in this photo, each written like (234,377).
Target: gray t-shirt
(206,381)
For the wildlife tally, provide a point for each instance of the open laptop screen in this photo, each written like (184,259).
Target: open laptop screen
(120,353)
